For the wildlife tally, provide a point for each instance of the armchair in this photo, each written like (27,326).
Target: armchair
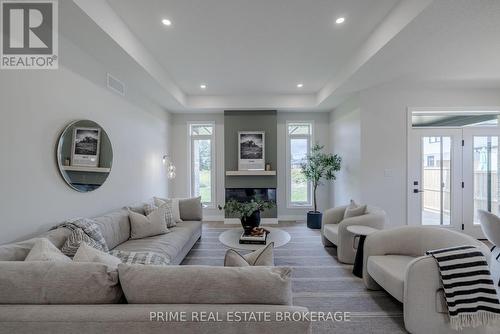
(490,223)
(334,229)
(395,261)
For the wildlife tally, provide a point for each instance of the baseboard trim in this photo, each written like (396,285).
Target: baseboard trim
(299,218)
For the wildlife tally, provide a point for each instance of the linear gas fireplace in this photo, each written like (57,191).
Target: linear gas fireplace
(269,216)
(247,194)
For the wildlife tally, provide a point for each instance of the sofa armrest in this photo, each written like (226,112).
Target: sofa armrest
(421,299)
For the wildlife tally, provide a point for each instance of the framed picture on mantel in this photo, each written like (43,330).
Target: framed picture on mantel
(251,150)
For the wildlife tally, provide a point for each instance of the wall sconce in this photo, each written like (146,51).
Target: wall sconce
(170,167)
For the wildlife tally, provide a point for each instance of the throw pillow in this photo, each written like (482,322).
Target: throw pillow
(354,210)
(82,230)
(87,253)
(147,226)
(75,239)
(261,257)
(190,209)
(175,207)
(44,250)
(169,213)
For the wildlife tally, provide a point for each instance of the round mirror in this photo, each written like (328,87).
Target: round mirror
(84,155)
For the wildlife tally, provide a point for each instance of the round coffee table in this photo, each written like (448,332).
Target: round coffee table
(231,238)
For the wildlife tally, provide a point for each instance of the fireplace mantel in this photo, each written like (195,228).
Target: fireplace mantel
(250,173)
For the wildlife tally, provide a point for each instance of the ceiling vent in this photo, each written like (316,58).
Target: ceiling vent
(116,85)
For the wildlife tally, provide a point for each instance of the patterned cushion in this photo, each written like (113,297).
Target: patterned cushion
(167,206)
(140,257)
(84,230)
(174,202)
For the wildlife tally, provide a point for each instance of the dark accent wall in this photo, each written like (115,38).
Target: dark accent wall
(250,120)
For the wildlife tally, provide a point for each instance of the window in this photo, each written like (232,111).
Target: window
(202,162)
(299,140)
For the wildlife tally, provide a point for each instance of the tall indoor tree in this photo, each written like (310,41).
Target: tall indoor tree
(317,167)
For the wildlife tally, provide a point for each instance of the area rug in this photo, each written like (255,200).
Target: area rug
(320,282)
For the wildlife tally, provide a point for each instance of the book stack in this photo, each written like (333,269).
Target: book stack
(258,236)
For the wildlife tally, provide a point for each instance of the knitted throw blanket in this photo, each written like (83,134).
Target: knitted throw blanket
(469,290)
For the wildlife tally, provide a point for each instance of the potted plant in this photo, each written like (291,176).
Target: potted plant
(248,212)
(319,166)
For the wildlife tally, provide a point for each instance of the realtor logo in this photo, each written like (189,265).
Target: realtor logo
(29,34)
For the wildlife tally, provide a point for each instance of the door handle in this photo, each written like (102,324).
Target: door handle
(416,191)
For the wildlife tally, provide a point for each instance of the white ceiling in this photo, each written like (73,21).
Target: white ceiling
(252,53)
(250,47)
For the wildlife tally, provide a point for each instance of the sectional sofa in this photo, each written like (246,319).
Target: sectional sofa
(75,297)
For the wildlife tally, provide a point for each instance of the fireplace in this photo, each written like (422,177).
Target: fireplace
(247,194)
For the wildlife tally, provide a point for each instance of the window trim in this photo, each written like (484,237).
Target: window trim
(190,139)
(288,187)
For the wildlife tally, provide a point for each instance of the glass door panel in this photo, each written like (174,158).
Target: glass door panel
(485,170)
(436,180)
(435,175)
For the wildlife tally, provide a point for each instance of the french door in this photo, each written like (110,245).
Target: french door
(452,172)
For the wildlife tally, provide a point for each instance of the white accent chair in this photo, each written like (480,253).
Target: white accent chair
(334,229)
(490,224)
(395,260)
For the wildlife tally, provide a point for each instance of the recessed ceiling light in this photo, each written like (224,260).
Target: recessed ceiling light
(166,22)
(203,86)
(300,85)
(340,20)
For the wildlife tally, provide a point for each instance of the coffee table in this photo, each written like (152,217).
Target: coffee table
(362,232)
(231,238)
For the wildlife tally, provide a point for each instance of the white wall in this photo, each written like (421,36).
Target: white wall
(180,156)
(345,140)
(35,107)
(383,138)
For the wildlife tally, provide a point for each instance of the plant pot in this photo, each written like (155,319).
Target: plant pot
(249,223)
(314,219)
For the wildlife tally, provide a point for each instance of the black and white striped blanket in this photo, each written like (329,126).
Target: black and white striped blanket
(469,290)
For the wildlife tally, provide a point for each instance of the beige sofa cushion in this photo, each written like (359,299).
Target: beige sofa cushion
(354,210)
(205,285)
(190,209)
(86,253)
(44,250)
(169,245)
(261,257)
(57,283)
(389,272)
(331,232)
(147,226)
(115,227)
